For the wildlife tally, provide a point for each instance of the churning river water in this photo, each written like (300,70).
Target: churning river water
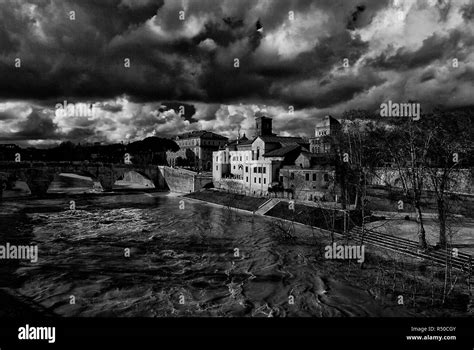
(163,255)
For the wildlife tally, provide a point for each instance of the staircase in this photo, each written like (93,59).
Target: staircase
(265,207)
(408,247)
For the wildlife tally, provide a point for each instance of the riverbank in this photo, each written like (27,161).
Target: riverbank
(385,275)
(299,212)
(227,200)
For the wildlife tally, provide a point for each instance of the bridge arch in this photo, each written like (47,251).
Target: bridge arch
(74,182)
(134,179)
(39,175)
(11,186)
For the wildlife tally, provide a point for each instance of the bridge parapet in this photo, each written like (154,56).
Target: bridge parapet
(39,175)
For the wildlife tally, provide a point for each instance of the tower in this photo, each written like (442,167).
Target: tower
(263,126)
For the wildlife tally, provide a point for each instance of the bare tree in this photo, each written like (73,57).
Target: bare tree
(360,154)
(453,134)
(408,147)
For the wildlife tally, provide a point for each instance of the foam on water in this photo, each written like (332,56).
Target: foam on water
(176,253)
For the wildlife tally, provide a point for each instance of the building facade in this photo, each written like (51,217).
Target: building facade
(310,184)
(324,132)
(269,164)
(252,166)
(196,149)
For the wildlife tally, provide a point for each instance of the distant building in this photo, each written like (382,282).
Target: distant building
(196,149)
(324,133)
(313,175)
(252,165)
(308,180)
(271,163)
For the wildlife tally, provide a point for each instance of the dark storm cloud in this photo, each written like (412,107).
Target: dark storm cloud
(427,75)
(84,58)
(391,46)
(468,11)
(433,48)
(7,116)
(334,90)
(352,23)
(37,126)
(466,75)
(111,107)
(81,134)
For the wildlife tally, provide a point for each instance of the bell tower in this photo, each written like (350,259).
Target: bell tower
(263,126)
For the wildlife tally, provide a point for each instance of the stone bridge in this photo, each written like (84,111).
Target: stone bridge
(185,181)
(39,175)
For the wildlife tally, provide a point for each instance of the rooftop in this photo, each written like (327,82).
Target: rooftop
(283,140)
(283,151)
(235,142)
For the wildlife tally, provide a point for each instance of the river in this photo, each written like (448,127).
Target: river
(158,255)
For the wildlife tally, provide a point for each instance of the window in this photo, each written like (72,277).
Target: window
(264,170)
(247,179)
(314,177)
(255,169)
(264,181)
(240,158)
(259,180)
(254,180)
(234,167)
(217,168)
(246,169)
(307,176)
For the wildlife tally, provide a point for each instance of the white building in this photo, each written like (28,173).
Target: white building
(252,166)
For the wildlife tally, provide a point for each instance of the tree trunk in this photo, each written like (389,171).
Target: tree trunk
(422,234)
(442,223)
(343,184)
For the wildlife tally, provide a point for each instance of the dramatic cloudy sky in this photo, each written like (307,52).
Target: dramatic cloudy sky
(397,50)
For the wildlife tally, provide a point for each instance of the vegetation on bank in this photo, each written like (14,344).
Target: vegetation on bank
(425,152)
